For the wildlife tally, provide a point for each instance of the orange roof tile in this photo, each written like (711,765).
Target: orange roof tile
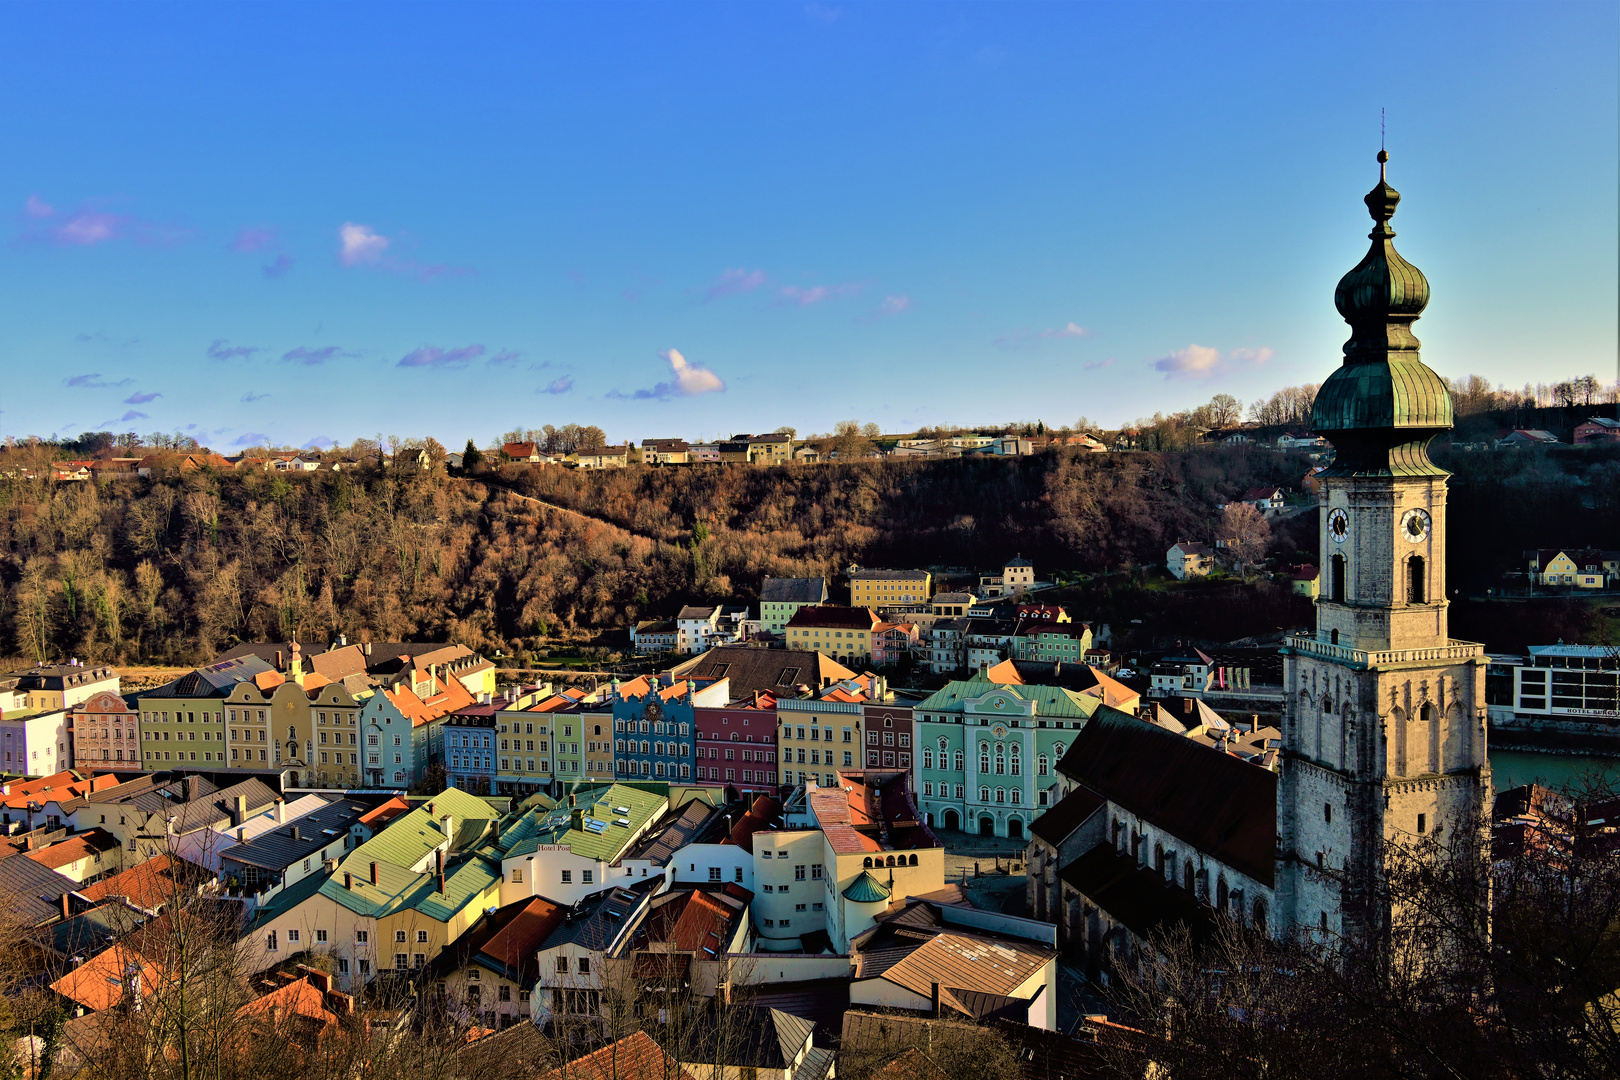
(148,885)
(100,981)
(634,1057)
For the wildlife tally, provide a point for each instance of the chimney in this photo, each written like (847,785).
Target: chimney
(374,872)
(238,809)
(67,907)
(241,836)
(171,822)
(348,879)
(368,648)
(576,818)
(438,860)
(281,811)
(293,832)
(447,825)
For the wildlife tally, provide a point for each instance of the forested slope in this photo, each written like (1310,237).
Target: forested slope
(177,568)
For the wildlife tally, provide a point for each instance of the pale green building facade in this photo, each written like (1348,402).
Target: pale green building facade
(987,753)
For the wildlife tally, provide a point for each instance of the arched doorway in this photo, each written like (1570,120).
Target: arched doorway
(952,821)
(987,826)
(732,795)
(1015,829)
(292,779)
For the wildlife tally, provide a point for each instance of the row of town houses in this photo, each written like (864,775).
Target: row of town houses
(752,819)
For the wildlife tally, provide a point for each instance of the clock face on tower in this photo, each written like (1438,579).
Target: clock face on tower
(1338,525)
(1415,525)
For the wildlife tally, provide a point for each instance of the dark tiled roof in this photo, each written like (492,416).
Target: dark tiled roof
(1137,896)
(1222,805)
(832,615)
(597,920)
(752,670)
(674,832)
(32,893)
(793,590)
(276,849)
(1069,814)
(761,1037)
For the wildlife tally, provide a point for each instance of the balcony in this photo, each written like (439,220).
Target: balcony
(1322,650)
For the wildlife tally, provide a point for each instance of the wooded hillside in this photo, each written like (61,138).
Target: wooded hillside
(175,569)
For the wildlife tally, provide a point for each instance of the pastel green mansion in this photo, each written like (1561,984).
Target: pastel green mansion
(987,753)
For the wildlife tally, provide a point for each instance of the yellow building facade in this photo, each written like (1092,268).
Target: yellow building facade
(881,588)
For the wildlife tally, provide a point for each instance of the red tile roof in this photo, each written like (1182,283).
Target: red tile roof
(148,886)
(71,850)
(764,814)
(634,1057)
(518,942)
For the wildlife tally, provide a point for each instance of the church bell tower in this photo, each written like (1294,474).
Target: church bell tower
(1384,722)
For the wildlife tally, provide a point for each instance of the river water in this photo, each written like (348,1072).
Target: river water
(1511,768)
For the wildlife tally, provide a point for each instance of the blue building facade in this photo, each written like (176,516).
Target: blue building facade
(654,730)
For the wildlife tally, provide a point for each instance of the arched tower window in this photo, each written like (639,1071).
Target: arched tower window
(1337,579)
(1416,586)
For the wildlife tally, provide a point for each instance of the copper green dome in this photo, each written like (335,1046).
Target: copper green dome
(1383,405)
(866,889)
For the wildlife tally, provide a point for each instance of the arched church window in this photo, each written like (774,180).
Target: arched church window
(1220,893)
(1260,914)
(1187,875)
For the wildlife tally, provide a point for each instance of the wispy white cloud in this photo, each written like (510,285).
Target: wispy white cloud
(220,349)
(253,395)
(320,442)
(806,295)
(1097,365)
(142,397)
(560,385)
(732,282)
(1022,338)
(251,438)
(433,356)
(132,415)
(689,380)
(277,267)
(891,306)
(504,358)
(35,207)
(303,354)
(1202,361)
(360,245)
(254,238)
(94,381)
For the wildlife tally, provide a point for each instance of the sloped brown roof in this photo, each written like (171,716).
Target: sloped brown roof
(148,886)
(752,670)
(634,1057)
(1221,805)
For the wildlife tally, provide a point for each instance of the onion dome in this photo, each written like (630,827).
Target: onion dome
(1381,408)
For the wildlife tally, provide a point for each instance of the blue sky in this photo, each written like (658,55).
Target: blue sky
(290,223)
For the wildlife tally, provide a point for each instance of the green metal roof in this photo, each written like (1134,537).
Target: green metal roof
(1381,408)
(866,889)
(410,838)
(1050,701)
(598,804)
(1400,392)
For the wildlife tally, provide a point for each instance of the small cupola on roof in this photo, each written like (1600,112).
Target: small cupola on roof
(1383,405)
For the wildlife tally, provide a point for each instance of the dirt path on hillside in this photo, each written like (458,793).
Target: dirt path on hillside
(565,510)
